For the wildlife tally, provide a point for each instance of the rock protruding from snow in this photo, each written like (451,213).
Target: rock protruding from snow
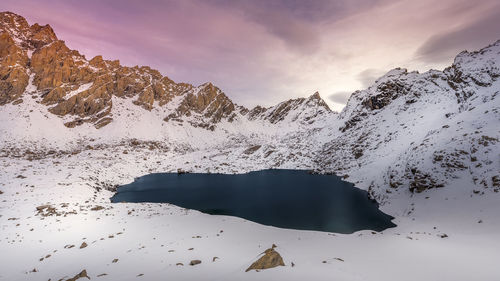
(271,258)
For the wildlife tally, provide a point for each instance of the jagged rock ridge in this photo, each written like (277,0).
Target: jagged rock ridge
(70,85)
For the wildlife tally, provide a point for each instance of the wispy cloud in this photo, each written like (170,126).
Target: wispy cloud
(368,76)
(340,97)
(480,32)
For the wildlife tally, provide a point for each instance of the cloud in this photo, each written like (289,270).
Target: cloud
(340,97)
(442,47)
(367,77)
(296,23)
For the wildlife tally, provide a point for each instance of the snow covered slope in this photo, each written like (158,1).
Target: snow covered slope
(421,131)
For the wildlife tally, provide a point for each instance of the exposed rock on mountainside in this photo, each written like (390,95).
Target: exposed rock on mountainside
(306,110)
(18,40)
(204,106)
(81,90)
(423,130)
(72,85)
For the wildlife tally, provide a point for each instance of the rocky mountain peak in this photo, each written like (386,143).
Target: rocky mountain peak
(26,36)
(42,35)
(82,91)
(204,106)
(11,22)
(316,100)
(306,110)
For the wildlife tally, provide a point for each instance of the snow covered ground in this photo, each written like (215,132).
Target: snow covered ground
(151,239)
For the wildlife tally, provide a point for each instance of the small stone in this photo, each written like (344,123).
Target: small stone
(97,208)
(195,262)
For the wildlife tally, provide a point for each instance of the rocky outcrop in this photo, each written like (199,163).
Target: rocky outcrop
(270,259)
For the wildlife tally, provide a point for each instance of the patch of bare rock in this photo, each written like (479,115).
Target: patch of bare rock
(270,259)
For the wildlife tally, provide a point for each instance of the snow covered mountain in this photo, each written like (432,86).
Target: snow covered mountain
(421,131)
(408,132)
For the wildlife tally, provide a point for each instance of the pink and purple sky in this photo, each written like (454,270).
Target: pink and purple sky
(265,51)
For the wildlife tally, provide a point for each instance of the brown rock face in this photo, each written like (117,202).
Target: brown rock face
(56,64)
(41,35)
(17,40)
(68,82)
(13,62)
(83,90)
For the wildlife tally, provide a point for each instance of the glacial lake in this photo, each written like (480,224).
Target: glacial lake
(292,199)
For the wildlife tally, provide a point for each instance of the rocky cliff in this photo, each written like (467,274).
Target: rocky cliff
(82,90)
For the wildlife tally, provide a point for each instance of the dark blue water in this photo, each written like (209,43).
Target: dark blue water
(282,198)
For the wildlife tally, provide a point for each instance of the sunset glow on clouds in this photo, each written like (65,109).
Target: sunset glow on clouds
(263,52)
